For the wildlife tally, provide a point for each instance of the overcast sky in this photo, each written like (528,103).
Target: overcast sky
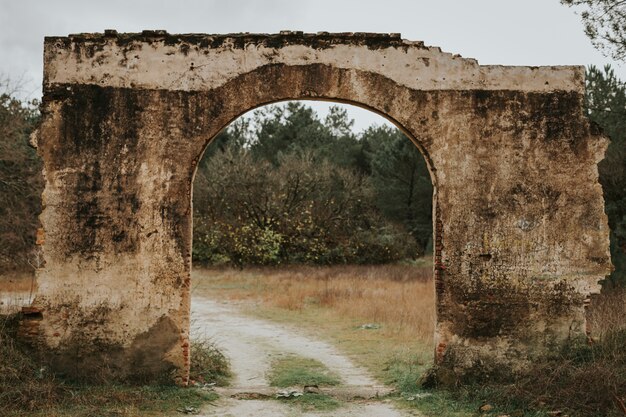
(509,32)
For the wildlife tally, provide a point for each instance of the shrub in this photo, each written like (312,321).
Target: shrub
(584,379)
(208,364)
(304,211)
(24,383)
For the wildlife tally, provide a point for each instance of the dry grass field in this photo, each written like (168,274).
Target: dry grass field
(607,313)
(399,297)
(380,315)
(384,317)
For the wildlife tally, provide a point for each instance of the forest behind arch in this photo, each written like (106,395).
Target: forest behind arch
(285,187)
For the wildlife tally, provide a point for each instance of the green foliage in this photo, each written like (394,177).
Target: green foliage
(605,24)
(286,187)
(293,128)
(248,244)
(207,243)
(401,178)
(606,106)
(296,371)
(316,402)
(20,182)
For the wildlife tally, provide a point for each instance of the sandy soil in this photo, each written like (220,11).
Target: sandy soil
(251,344)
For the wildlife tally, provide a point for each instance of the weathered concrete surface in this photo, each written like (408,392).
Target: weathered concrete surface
(521,235)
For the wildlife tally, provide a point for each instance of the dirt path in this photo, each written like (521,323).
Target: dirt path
(251,344)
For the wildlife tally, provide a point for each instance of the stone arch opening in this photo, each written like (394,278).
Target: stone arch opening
(314,82)
(125,118)
(410,135)
(434,255)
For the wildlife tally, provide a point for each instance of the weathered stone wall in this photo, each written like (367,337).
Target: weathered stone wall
(521,235)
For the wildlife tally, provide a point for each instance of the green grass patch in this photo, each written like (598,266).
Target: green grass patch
(292,370)
(439,404)
(316,402)
(404,369)
(69,400)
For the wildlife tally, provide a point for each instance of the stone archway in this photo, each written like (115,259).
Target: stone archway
(521,238)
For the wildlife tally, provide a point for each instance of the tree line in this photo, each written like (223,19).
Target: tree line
(284,186)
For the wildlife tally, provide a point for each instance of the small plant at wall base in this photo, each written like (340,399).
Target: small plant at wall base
(208,364)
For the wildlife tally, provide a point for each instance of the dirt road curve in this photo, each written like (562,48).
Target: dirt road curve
(251,344)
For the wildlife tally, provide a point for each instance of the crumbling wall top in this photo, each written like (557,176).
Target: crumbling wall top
(319,40)
(155,59)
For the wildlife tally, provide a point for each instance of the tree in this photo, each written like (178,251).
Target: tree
(345,149)
(21,182)
(286,186)
(302,211)
(286,129)
(402,182)
(295,128)
(606,106)
(605,24)
(237,135)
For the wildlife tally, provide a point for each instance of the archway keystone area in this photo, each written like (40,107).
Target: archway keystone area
(521,238)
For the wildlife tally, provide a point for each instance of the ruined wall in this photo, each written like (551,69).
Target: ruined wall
(521,236)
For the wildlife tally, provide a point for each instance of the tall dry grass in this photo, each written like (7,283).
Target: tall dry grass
(607,313)
(585,377)
(399,298)
(29,389)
